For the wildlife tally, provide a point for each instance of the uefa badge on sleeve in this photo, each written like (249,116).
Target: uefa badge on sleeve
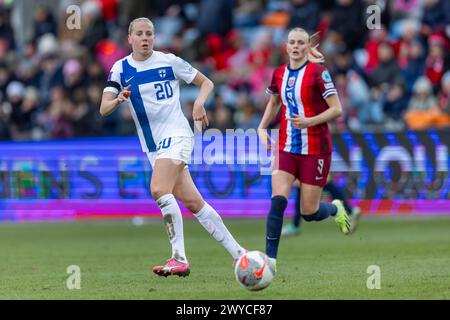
(326,76)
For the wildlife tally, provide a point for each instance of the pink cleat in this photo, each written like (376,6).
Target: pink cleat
(173,267)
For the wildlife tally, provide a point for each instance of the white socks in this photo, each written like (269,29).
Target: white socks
(174,225)
(212,222)
(208,218)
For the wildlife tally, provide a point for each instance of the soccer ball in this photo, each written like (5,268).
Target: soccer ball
(253,271)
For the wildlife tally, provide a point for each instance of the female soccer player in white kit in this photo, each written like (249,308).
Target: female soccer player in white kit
(148,81)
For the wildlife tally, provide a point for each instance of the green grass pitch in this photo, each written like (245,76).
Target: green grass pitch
(115,258)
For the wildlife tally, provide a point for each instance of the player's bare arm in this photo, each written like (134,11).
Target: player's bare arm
(272,108)
(206,87)
(334,111)
(111,101)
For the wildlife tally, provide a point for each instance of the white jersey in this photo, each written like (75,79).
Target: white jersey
(155,95)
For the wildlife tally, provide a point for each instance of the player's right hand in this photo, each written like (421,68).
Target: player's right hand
(124,94)
(199,115)
(265,138)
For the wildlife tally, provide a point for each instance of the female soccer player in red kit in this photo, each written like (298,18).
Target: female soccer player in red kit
(306,93)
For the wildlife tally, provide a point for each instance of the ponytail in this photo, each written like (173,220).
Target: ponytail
(315,56)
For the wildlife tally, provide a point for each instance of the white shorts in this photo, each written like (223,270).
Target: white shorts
(176,148)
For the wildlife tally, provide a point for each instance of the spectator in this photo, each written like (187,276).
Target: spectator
(277,15)
(402,47)
(247,116)
(222,116)
(6,32)
(5,111)
(210,12)
(85,117)
(414,67)
(26,72)
(132,9)
(24,118)
(5,78)
(15,95)
(60,114)
(248,13)
(260,69)
(237,64)
(73,76)
(109,9)
(405,9)
(304,14)
(443,114)
(433,19)
(348,22)
(395,105)
(376,37)
(420,112)
(95,74)
(49,77)
(43,22)
(94,26)
(435,62)
(388,70)
(356,99)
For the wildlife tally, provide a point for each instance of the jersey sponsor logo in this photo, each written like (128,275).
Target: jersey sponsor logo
(326,76)
(291,81)
(329,85)
(162,73)
(319,178)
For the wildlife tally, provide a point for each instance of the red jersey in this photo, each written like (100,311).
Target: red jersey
(303,92)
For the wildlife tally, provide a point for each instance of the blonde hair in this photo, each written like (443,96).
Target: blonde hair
(313,55)
(141,19)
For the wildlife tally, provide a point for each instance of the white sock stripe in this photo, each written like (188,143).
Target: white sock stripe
(212,222)
(206,208)
(165,199)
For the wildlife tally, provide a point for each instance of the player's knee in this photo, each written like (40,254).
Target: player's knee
(308,209)
(158,192)
(193,205)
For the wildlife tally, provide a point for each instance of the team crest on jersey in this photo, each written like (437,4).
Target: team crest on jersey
(291,81)
(162,73)
(326,76)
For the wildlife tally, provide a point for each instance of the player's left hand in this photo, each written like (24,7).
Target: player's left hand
(300,122)
(200,117)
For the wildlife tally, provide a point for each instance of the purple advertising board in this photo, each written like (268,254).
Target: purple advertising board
(388,173)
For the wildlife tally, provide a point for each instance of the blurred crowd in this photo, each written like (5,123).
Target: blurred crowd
(391,70)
